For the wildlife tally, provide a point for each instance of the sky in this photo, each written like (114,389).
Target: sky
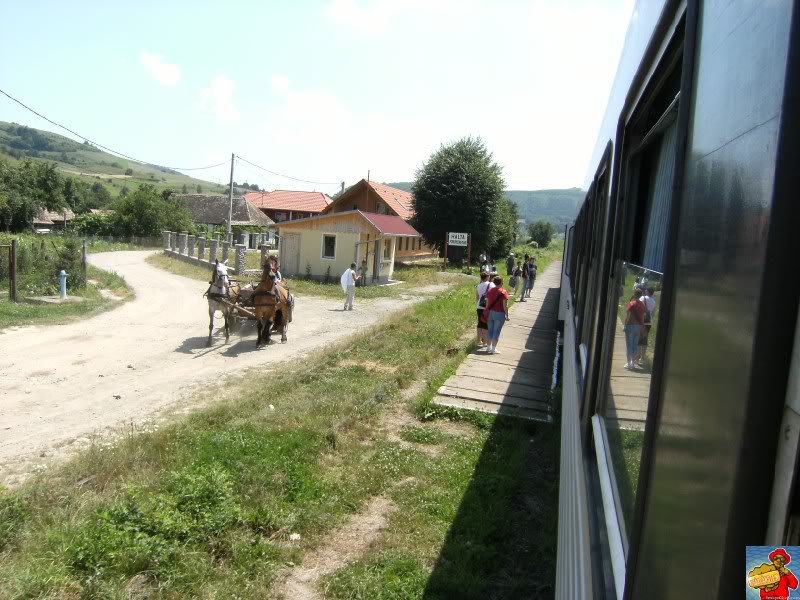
(321,90)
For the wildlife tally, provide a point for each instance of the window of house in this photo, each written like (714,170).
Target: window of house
(280,216)
(387,248)
(329,246)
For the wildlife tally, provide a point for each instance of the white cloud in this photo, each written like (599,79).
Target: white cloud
(166,74)
(280,83)
(217,99)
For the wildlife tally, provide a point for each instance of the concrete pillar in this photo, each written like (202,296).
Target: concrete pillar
(241,251)
(230,239)
(182,242)
(226,246)
(173,240)
(201,247)
(243,238)
(213,250)
(264,254)
(190,245)
(165,238)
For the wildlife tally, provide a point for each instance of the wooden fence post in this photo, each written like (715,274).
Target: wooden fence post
(12,260)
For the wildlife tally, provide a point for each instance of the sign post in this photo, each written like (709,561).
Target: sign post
(457,239)
(446,244)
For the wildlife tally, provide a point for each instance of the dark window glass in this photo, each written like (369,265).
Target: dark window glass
(329,246)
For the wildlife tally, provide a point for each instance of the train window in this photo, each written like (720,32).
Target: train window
(638,261)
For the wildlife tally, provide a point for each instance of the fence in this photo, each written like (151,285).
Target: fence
(204,250)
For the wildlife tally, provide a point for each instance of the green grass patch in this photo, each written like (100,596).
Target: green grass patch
(413,277)
(422,435)
(205,506)
(23,313)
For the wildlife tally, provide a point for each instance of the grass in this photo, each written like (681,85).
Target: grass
(413,277)
(22,313)
(626,457)
(204,507)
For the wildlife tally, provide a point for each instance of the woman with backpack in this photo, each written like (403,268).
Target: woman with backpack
(496,313)
(480,297)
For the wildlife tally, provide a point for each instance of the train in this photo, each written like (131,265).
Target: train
(680,423)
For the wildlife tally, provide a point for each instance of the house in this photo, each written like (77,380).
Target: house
(288,205)
(324,246)
(46,220)
(372,197)
(212,211)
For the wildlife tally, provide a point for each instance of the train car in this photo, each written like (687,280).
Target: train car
(680,368)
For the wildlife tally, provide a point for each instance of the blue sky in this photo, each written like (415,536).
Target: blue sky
(320,89)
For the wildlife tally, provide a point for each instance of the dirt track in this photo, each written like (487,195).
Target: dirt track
(60,383)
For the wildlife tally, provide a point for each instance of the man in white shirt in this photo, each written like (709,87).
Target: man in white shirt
(348,282)
(480,298)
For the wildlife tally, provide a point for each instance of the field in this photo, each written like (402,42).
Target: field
(91,164)
(233,500)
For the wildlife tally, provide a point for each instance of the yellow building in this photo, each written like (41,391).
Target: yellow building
(371,197)
(326,245)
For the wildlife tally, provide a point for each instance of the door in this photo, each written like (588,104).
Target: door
(290,253)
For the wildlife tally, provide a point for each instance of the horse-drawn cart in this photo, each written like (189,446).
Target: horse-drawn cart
(268,304)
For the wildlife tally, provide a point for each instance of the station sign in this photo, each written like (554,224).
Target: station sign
(457,239)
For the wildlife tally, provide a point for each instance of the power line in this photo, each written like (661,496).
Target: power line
(287,176)
(107,149)
(258,175)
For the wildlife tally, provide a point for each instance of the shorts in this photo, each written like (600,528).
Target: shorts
(481,324)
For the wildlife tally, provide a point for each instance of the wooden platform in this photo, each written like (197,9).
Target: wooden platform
(517,381)
(629,391)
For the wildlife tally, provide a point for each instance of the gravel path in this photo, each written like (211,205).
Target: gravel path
(61,384)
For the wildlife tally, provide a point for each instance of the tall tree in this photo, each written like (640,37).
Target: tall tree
(459,189)
(146,212)
(541,232)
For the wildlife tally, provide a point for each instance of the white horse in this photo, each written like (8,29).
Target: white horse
(219,289)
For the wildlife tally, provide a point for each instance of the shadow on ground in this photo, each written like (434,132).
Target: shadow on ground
(502,543)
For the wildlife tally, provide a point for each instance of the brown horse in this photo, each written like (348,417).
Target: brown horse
(272,305)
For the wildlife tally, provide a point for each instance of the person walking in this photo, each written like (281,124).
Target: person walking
(525,275)
(516,276)
(348,281)
(496,313)
(649,312)
(634,326)
(531,275)
(510,265)
(480,298)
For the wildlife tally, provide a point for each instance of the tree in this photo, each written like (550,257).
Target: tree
(505,228)
(128,171)
(199,189)
(184,189)
(145,212)
(541,232)
(460,189)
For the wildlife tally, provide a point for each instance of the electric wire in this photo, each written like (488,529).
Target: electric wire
(287,176)
(106,148)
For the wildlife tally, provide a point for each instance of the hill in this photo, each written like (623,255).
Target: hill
(559,207)
(90,164)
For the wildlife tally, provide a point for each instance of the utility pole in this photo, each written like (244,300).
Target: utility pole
(230,197)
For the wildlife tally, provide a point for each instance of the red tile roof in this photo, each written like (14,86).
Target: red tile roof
(311,202)
(398,200)
(389,224)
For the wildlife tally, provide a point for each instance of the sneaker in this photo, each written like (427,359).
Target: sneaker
(628,366)
(495,351)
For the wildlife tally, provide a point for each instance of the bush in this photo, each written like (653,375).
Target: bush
(541,232)
(128,171)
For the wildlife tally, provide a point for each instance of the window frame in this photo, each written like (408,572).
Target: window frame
(322,250)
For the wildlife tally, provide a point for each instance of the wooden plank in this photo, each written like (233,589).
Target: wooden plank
(511,411)
(534,398)
(526,362)
(494,380)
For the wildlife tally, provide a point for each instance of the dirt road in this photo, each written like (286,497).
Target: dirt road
(61,384)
